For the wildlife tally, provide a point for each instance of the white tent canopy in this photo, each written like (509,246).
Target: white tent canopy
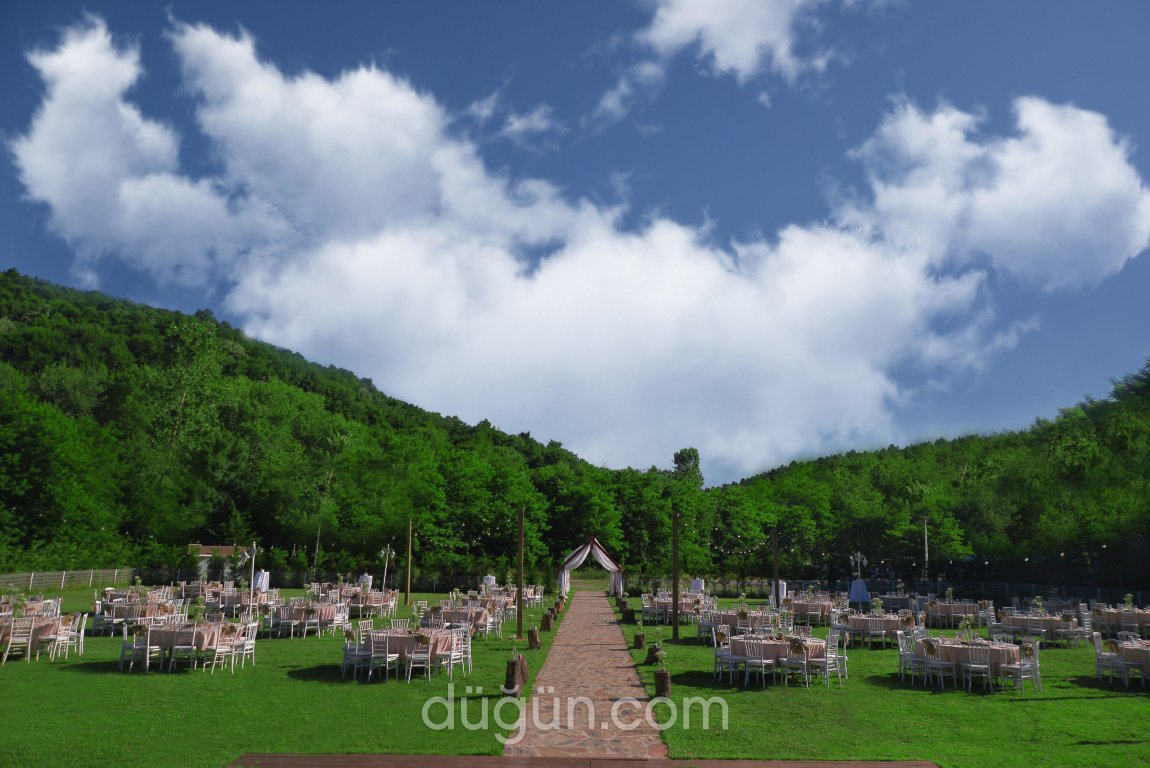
(576,558)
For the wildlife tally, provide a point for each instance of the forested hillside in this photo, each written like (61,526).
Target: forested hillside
(127,432)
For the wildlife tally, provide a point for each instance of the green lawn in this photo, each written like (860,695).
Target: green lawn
(84,712)
(1075,721)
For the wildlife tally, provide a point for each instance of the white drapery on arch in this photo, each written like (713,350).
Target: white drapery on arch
(576,558)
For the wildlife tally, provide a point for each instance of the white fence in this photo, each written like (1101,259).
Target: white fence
(44,580)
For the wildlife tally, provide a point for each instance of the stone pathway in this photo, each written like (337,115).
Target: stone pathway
(588,670)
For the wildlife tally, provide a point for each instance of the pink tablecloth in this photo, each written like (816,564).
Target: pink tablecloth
(732,619)
(803,610)
(949,613)
(777,649)
(1137,653)
(1000,653)
(403,643)
(207,636)
(473,617)
(890,624)
(325,612)
(42,631)
(1049,624)
(1113,617)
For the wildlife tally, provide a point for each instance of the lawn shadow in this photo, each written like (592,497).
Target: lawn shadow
(698,679)
(94,667)
(321,673)
(890,681)
(1114,691)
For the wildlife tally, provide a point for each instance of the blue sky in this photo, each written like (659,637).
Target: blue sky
(768,230)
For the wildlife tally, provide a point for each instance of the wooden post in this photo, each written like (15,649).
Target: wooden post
(519,586)
(407,593)
(675,572)
(663,683)
(775,560)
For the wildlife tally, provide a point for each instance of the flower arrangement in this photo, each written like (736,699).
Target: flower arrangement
(1037,603)
(966,629)
(18,600)
(949,594)
(1128,601)
(876,606)
(196,609)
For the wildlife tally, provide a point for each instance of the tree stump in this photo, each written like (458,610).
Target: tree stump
(640,641)
(652,654)
(533,641)
(545,622)
(628,615)
(516,677)
(662,683)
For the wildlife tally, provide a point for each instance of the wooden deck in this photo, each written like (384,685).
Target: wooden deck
(498,761)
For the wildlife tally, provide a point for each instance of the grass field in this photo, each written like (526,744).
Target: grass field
(1074,721)
(83,712)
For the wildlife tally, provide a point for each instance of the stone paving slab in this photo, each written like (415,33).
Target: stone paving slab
(581,703)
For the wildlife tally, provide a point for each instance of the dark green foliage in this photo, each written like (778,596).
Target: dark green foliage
(127,432)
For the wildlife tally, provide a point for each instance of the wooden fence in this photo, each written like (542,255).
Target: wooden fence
(41,581)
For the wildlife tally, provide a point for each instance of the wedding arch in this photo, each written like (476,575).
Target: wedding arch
(576,558)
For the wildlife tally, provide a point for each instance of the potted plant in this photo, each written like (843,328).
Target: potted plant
(640,637)
(876,606)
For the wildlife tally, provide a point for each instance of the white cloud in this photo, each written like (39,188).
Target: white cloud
(524,128)
(742,38)
(110,176)
(1058,205)
(483,109)
(411,262)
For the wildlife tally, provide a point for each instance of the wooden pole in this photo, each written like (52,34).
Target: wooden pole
(407,593)
(386,558)
(675,572)
(519,585)
(925,550)
(775,558)
(252,583)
